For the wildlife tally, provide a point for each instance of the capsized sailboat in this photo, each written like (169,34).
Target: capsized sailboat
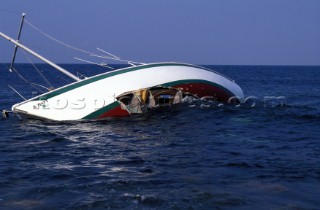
(126,91)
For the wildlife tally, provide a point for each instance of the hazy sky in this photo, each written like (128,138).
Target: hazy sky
(231,32)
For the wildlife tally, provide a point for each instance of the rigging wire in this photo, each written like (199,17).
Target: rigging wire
(34,85)
(116,57)
(113,57)
(43,77)
(56,40)
(110,56)
(17,92)
(99,64)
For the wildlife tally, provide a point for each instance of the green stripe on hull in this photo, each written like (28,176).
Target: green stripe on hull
(101,111)
(106,75)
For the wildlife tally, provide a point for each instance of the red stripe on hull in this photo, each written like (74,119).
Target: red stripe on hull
(205,90)
(115,112)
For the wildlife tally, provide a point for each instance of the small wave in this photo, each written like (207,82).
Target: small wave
(57,140)
(150,199)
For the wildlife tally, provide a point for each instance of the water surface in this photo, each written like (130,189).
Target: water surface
(262,155)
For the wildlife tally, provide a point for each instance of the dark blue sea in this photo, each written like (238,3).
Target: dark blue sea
(264,154)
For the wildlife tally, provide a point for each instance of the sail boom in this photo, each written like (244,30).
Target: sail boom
(59,68)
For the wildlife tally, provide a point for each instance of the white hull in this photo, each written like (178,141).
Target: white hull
(95,97)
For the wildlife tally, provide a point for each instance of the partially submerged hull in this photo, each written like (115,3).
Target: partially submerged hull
(125,91)
(102,96)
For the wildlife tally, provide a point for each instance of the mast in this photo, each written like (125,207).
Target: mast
(16,47)
(40,57)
